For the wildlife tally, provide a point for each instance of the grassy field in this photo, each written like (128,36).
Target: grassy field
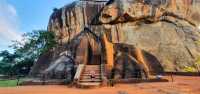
(8,83)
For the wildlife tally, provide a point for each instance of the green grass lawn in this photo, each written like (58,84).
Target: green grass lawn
(8,83)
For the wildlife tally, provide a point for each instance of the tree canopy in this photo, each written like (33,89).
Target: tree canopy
(26,52)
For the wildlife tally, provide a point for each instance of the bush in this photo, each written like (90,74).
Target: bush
(189,69)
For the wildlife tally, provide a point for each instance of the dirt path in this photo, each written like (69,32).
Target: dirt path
(181,85)
(119,89)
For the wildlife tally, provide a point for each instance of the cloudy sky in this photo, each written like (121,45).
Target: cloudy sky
(20,16)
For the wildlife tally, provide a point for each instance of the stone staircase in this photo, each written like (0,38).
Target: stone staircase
(85,77)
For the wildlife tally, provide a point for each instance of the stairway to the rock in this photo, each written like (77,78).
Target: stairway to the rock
(85,78)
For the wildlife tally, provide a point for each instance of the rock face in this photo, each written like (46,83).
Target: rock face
(165,28)
(70,20)
(132,37)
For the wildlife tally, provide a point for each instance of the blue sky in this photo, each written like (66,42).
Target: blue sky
(20,16)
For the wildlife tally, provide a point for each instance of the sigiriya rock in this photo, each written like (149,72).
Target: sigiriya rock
(121,39)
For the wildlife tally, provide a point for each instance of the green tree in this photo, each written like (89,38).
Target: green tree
(7,61)
(36,43)
(8,57)
(26,52)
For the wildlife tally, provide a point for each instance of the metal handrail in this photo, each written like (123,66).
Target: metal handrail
(103,76)
(79,71)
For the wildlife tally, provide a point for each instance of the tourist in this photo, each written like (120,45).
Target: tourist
(92,75)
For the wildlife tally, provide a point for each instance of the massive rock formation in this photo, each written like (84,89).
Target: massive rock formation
(150,36)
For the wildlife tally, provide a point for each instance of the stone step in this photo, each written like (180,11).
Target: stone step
(92,66)
(90,80)
(91,69)
(90,73)
(88,84)
(86,74)
(88,77)
(86,80)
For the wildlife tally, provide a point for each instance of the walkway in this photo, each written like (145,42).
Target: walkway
(182,85)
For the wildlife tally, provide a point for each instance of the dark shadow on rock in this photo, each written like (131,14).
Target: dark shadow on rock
(153,63)
(41,64)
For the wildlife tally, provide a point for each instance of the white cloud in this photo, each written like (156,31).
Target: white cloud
(9,29)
